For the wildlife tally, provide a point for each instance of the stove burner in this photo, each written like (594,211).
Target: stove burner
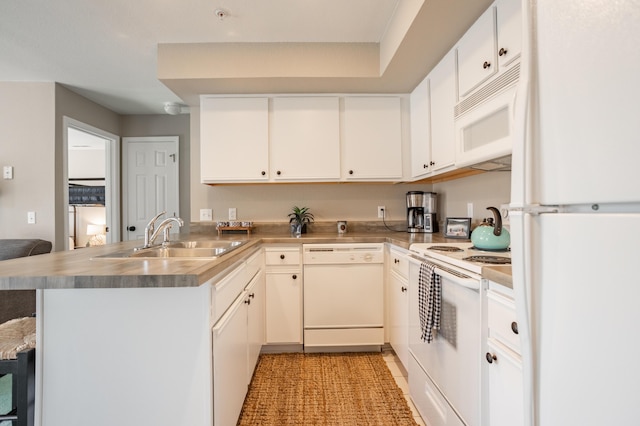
(505,250)
(444,248)
(494,260)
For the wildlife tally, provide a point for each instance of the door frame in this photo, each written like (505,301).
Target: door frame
(112,178)
(125,169)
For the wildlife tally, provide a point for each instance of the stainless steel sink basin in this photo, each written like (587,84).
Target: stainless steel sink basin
(206,244)
(206,249)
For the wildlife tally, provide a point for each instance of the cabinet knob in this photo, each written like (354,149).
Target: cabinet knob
(294,276)
(282,256)
(432,163)
(252,295)
(486,65)
(514,327)
(491,357)
(248,302)
(350,172)
(278,172)
(263,173)
(502,51)
(403,289)
(131,228)
(425,166)
(396,260)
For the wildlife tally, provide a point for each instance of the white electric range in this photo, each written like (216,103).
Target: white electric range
(463,255)
(445,374)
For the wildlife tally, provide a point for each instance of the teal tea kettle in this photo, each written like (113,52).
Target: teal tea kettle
(488,236)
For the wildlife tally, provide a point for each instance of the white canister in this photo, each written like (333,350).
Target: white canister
(342,227)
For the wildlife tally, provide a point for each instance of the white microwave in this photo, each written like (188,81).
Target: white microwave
(484,121)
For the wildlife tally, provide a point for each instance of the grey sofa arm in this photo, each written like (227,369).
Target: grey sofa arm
(11,249)
(19,303)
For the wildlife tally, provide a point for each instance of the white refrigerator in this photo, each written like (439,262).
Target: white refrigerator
(575,212)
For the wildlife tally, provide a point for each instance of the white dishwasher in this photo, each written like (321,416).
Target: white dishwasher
(343,296)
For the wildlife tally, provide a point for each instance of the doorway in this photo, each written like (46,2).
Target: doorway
(150,175)
(92,171)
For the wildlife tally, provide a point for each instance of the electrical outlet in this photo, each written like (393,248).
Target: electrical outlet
(232,213)
(470,210)
(31,217)
(206,215)
(381,210)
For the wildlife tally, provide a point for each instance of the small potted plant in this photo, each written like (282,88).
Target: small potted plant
(298,220)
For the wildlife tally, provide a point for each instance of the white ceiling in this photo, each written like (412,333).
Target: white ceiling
(107,50)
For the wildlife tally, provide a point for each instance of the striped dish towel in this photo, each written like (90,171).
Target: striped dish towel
(429,301)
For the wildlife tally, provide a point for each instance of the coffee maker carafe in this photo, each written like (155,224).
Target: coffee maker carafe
(421,212)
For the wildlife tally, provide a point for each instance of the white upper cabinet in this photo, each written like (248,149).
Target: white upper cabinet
(420,130)
(305,138)
(234,139)
(443,100)
(477,55)
(372,138)
(509,19)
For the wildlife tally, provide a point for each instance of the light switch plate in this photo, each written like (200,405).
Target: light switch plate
(7,172)
(31,217)
(206,215)
(232,213)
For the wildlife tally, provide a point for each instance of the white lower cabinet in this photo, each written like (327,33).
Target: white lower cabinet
(283,299)
(504,401)
(398,305)
(237,337)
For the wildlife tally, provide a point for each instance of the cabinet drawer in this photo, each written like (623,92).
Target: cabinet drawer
(282,256)
(226,291)
(399,263)
(502,321)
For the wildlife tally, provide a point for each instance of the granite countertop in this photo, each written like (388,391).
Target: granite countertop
(82,268)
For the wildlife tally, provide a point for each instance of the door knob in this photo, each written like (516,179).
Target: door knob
(131,228)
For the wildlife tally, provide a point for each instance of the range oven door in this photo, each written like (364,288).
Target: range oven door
(453,359)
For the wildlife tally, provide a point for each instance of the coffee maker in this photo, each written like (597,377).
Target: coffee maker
(421,212)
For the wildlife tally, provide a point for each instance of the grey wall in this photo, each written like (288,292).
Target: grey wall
(27,142)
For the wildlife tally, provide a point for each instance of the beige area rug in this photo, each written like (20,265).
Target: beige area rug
(324,389)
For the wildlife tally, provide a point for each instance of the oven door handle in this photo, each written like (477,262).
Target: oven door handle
(458,278)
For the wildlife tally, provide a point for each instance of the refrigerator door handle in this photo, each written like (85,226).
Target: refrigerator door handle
(536,209)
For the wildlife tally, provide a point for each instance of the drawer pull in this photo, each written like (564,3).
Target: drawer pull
(252,295)
(396,260)
(491,357)
(295,277)
(514,327)
(282,256)
(403,288)
(486,65)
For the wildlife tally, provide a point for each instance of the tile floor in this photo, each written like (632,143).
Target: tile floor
(400,374)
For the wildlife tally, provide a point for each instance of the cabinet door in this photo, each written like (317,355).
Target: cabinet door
(399,317)
(505,387)
(420,130)
(443,100)
(284,307)
(234,139)
(509,22)
(372,138)
(230,363)
(477,53)
(256,331)
(305,138)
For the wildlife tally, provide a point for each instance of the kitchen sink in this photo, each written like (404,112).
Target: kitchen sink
(210,249)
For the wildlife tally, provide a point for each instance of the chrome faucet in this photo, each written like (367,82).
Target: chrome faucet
(149,230)
(165,226)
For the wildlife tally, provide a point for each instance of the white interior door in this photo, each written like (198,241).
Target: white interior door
(150,182)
